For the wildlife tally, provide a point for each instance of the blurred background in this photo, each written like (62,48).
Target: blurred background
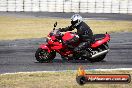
(83,6)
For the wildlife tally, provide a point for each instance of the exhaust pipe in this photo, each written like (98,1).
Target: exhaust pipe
(100,53)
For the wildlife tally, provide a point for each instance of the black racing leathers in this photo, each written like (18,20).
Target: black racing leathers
(84,32)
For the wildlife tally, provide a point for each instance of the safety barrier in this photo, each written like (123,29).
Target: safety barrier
(88,6)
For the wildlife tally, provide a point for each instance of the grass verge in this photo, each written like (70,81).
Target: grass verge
(21,28)
(55,80)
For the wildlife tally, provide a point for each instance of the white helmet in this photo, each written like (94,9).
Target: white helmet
(76,19)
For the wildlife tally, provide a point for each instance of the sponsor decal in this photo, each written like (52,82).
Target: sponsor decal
(83,78)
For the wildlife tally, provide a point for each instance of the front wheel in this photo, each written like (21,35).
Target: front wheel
(44,56)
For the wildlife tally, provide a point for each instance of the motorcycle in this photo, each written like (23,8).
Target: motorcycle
(63,44)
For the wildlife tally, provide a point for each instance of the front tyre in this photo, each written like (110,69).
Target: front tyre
(44,56)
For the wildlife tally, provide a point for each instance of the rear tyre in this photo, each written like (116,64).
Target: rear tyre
(100,58)
(44,56)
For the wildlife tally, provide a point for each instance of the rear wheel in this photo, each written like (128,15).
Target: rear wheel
(44,56)
(100,58)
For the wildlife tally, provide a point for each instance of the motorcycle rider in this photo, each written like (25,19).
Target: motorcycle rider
(83,31)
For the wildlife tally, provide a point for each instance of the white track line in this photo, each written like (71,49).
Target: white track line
(117,69)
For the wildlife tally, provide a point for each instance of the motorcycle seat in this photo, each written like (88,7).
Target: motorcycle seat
(98,37)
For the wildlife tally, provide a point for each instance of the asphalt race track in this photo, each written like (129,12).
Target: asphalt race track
(95,16)
(18,56)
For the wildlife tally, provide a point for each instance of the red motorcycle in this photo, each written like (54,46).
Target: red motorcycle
(64,45)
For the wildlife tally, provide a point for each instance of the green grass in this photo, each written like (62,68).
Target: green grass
(55,80)
(21,28)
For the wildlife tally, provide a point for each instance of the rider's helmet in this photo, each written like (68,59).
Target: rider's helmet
(76,19)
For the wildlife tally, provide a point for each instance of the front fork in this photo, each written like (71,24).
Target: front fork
(45,47)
